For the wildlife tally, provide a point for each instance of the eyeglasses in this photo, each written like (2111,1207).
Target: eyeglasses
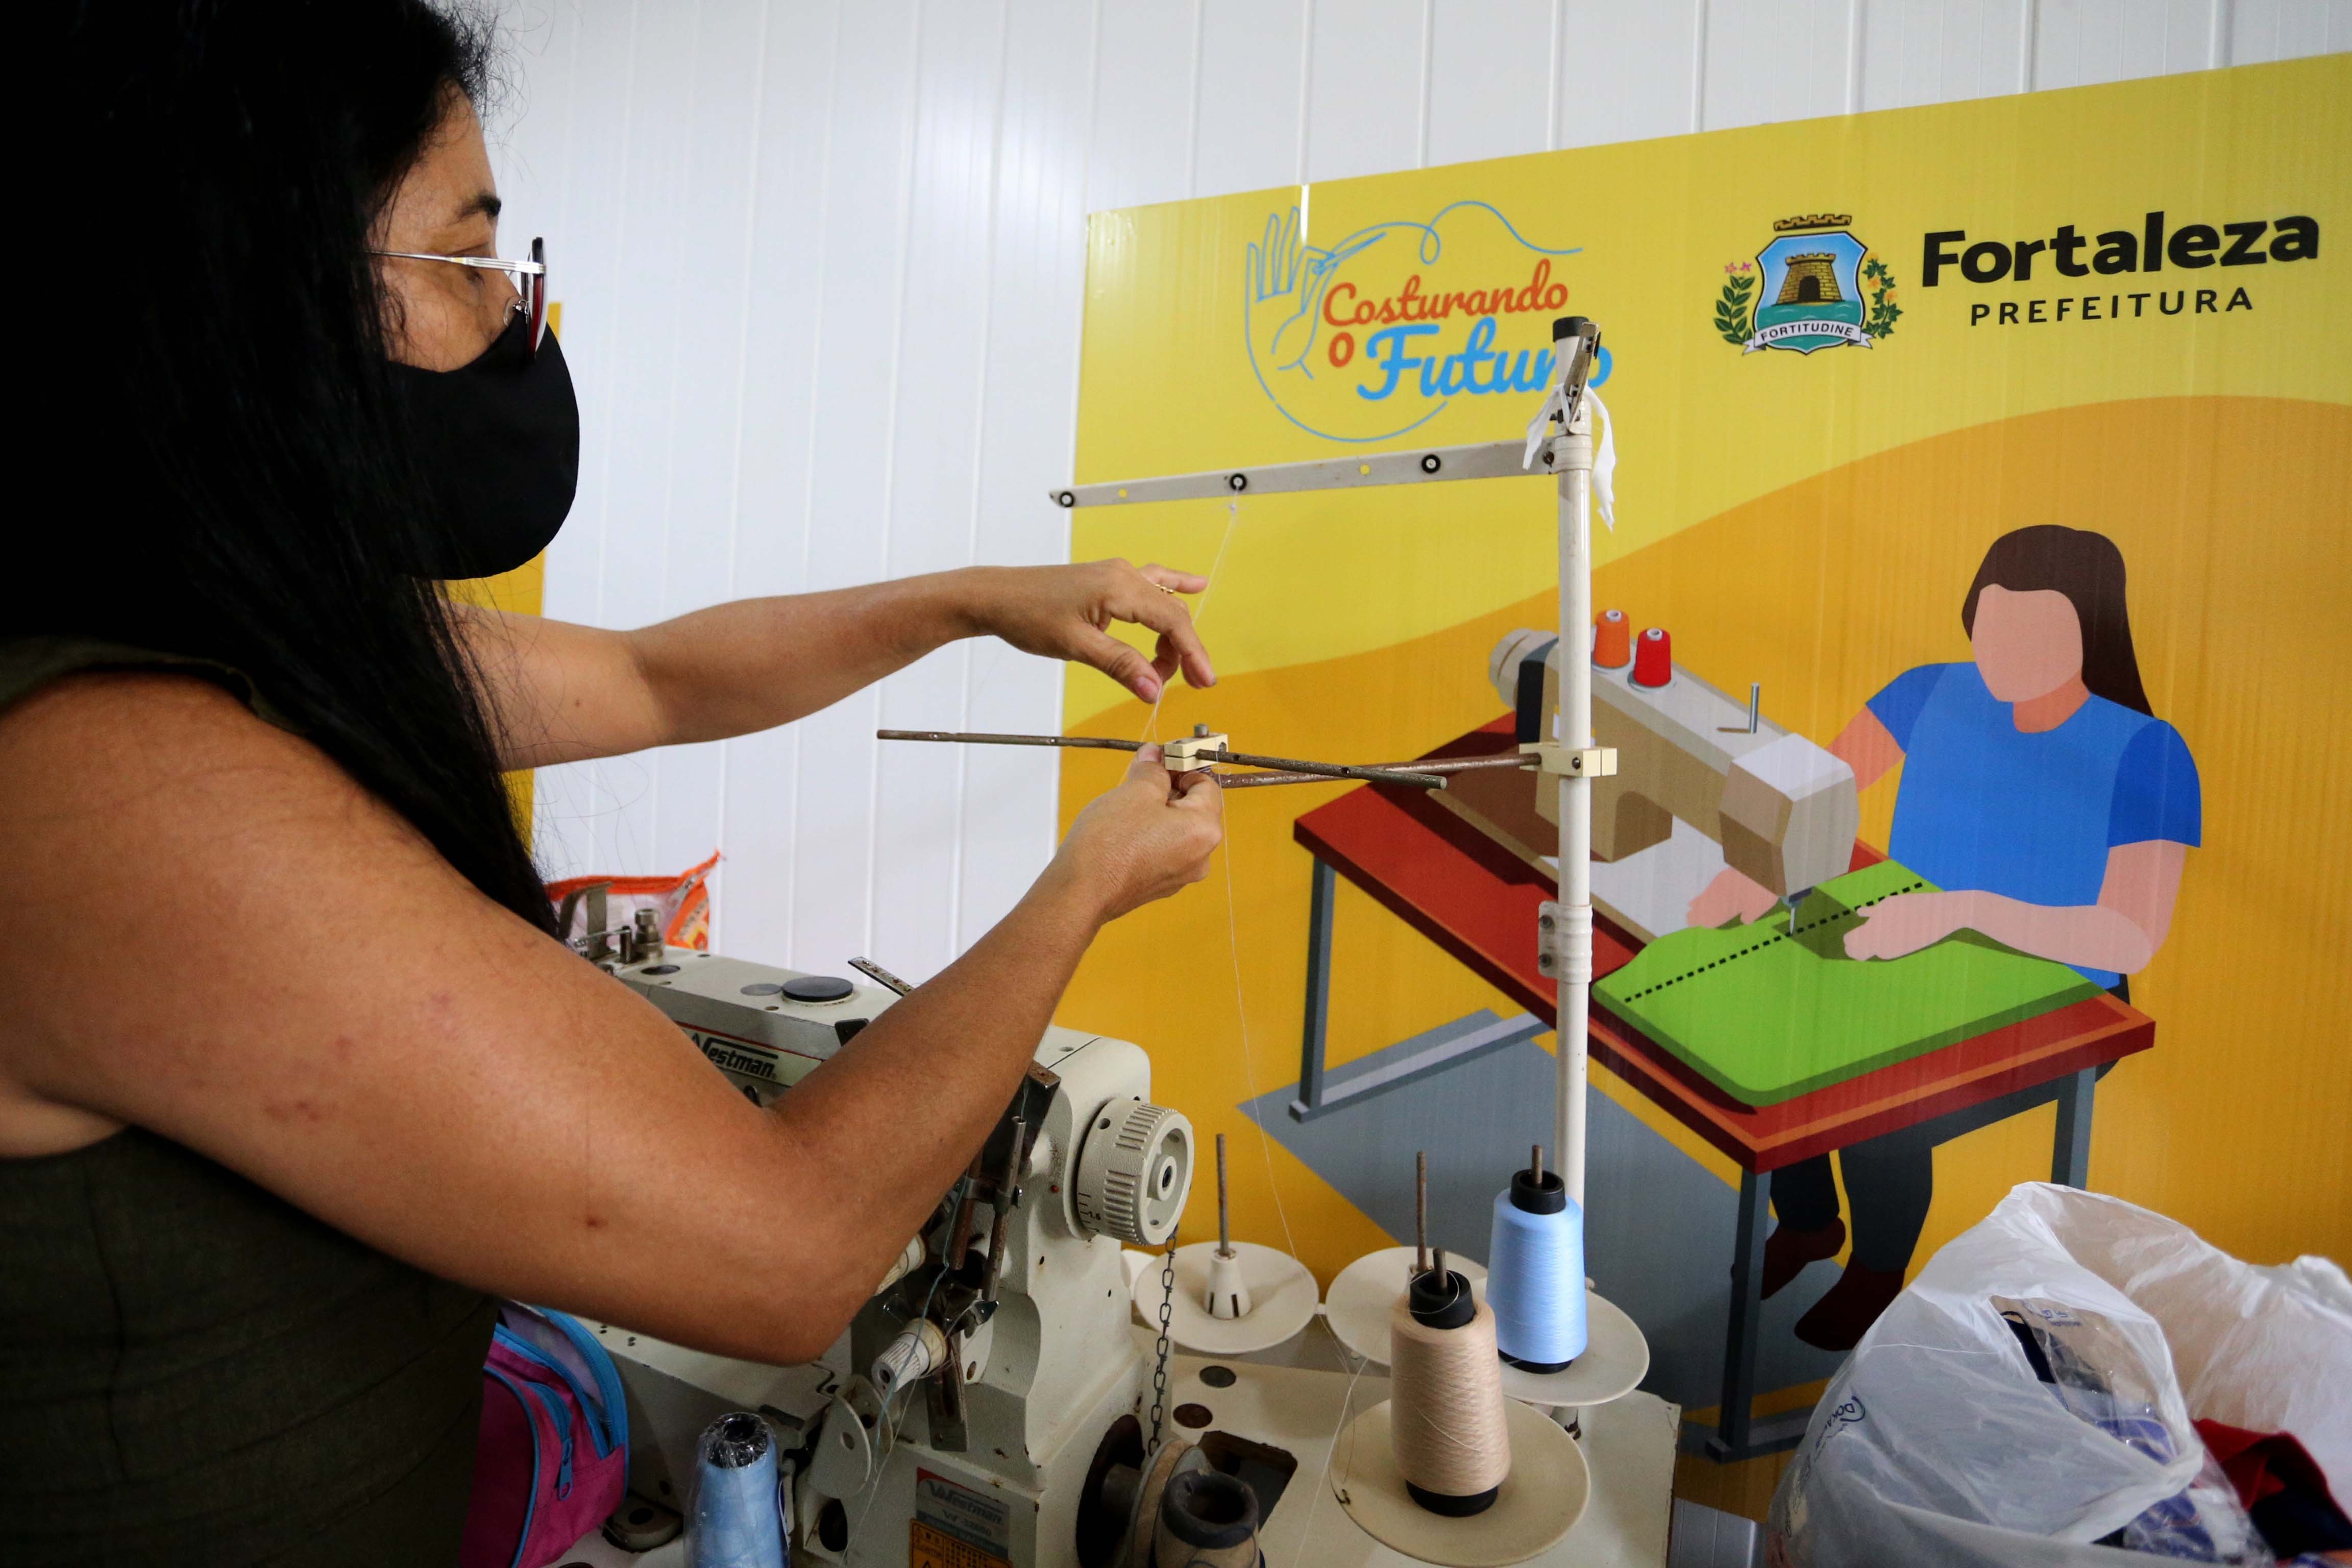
(529,279)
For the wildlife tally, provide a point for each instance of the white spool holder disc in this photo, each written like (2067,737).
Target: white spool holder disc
(1135,1263)
(1282,1300)
(1357,1306)
(1540,1502)
(1616,1359)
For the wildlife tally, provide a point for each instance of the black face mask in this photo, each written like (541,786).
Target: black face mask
(499,441)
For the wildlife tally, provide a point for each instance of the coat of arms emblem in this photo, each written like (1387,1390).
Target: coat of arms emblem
(1815,286)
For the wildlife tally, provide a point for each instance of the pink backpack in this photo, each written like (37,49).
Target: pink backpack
(553,1457)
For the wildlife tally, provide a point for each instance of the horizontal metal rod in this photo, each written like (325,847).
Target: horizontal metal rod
(1262,781)
(1480,460)
(962,738)
(1463,764)
(1329,770)
(1447,766)
(1408,773)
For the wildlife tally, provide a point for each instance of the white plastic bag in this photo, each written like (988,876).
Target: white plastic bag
(2024,1397)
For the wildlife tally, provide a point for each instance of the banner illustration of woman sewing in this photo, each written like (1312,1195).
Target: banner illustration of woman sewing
(2055,814)
(2066,600)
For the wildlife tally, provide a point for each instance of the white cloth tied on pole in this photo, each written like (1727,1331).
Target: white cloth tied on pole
(1604,452)
(1604,461)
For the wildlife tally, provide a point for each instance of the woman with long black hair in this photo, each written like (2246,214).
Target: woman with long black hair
(2053,811)
(294,1075)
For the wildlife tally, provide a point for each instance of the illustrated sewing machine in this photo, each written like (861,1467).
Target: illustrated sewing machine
(995,1411)
(1767,801)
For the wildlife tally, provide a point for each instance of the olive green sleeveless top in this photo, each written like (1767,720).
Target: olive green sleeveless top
(193,1370)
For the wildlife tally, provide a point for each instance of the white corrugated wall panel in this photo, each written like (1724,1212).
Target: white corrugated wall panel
(591,145)
(783,327)
(1253,64)
(708,278)
(1146,69)
(1627,72)
(1490,84)
(1791,59)
(1023,426)
(2078,42)
(862,230)
(1367,89)
(1937,51)
(2286,29)
(935,455)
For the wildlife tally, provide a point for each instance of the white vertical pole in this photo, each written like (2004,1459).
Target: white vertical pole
(1573,452)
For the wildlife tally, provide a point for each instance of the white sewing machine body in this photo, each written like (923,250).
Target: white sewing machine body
(1048,1377)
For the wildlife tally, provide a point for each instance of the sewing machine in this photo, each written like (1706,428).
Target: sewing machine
(1702,781)
(990,1387)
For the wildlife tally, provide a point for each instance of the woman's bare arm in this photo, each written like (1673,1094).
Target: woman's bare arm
(560,692)
(271,967)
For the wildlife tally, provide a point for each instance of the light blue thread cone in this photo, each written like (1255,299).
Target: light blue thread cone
(736,1522)
(1535,1282)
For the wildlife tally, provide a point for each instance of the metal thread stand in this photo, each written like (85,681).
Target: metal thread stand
(1559,442)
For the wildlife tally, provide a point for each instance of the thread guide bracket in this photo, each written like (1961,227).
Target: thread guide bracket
(1572,762)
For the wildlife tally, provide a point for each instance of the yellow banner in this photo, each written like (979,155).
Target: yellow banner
(1848,361)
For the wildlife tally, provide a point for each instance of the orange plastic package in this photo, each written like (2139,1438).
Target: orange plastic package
(681,904)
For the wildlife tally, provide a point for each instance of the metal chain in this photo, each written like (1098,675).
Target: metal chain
(1167,1312)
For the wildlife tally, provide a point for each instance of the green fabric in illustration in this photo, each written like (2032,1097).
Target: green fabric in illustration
(1766,1016)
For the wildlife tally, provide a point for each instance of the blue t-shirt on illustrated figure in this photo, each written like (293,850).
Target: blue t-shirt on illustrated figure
(1985,805)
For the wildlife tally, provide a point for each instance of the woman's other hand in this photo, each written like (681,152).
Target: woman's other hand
(1730,895)
(1149,837)
(1064,612)
(1906,923)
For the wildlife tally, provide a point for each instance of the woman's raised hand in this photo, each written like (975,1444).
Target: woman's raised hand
(1064,612)
(1145,840)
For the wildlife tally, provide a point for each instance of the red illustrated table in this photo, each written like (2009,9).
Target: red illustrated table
(1478,901)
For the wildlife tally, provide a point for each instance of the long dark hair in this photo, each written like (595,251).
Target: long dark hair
(211,391)
(2089,570)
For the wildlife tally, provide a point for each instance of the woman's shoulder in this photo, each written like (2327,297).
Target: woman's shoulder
(124,764)
(126,715)
(32,664)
